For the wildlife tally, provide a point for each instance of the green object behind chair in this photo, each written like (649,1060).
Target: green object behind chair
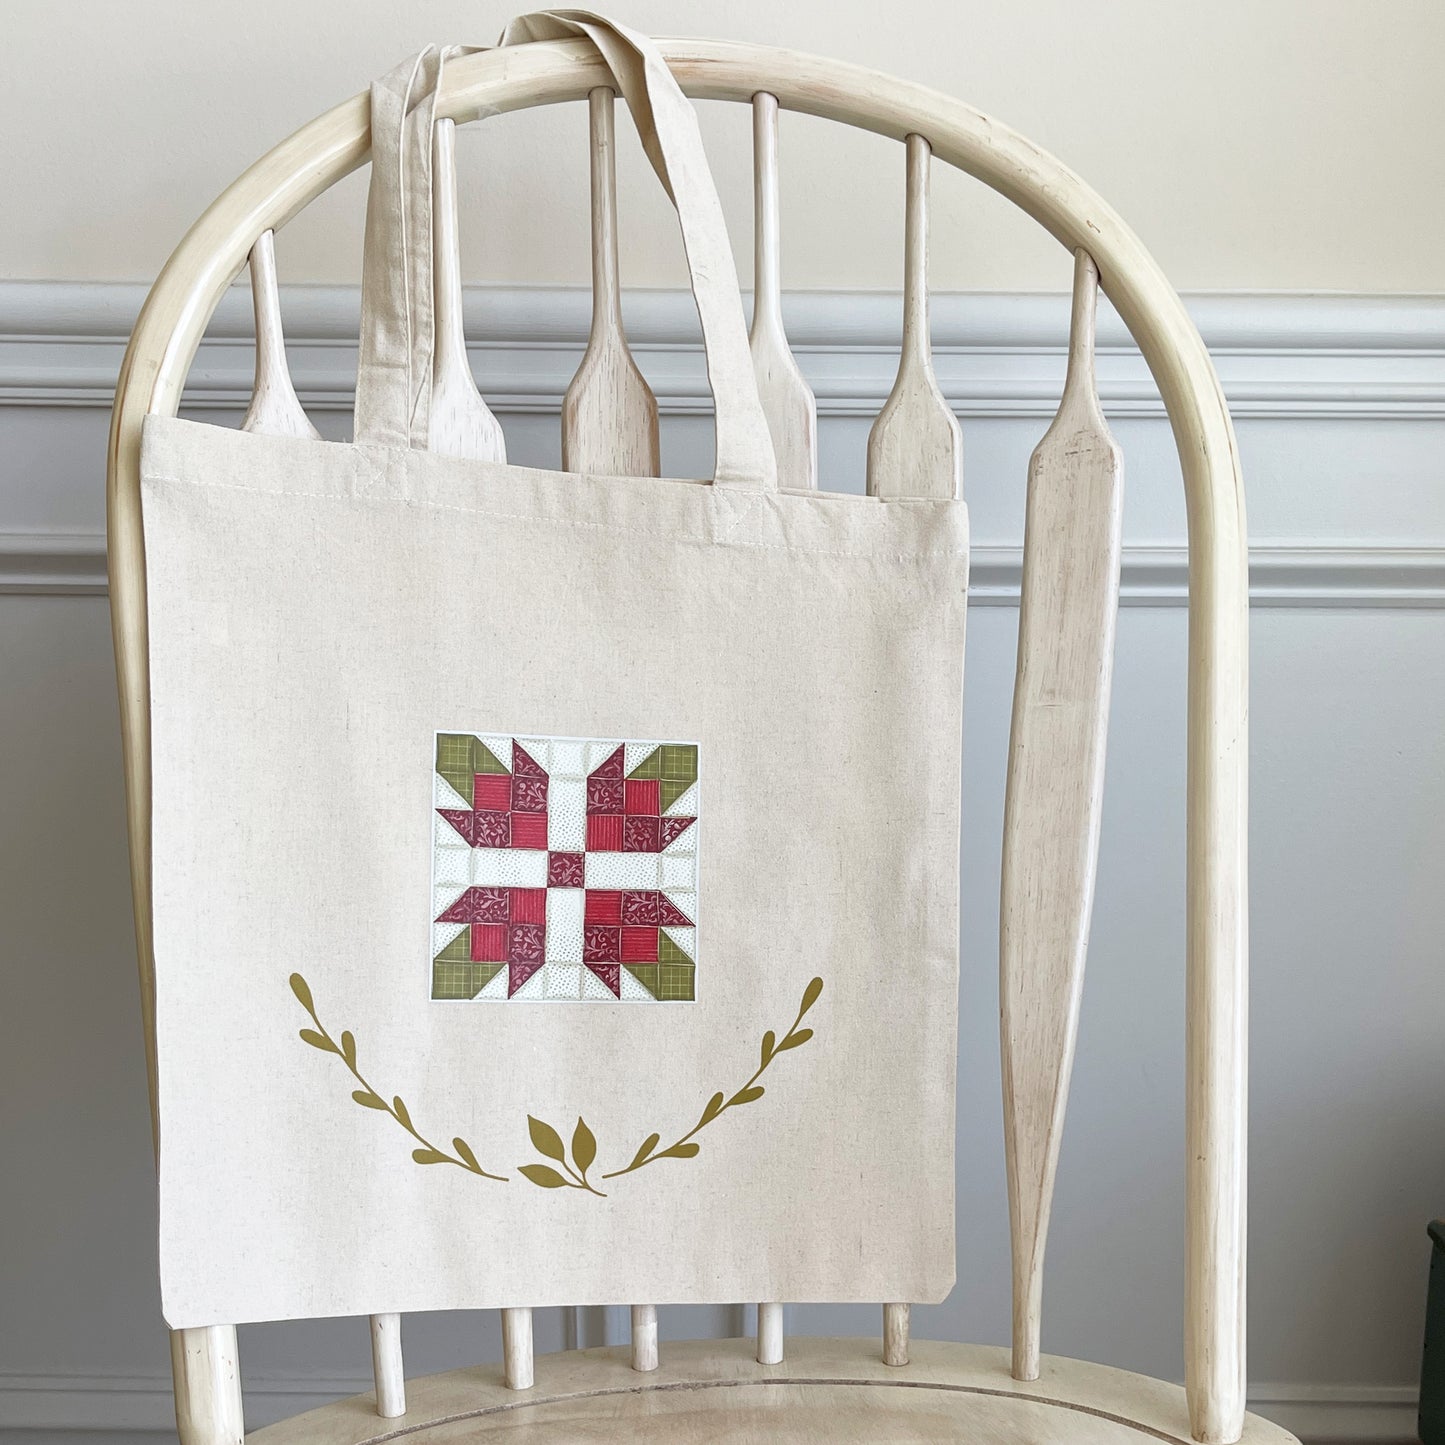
(1432,1369)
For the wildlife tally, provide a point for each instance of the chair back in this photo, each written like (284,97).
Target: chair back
(1069,603)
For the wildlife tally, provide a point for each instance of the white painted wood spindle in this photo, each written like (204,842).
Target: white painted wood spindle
(895,1334)
(644,1337)
(207,1375)
(915,448)
(788,401)
(1070,599)
(517,1348)
(387,1367)
(462,424)
(770,1334)
(609,414)
(274,409)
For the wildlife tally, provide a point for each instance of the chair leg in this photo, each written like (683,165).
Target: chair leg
(207,1376)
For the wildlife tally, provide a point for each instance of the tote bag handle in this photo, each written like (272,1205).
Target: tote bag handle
(393,393)
(394,361)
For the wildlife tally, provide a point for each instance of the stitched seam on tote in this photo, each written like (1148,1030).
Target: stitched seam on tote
(558,521)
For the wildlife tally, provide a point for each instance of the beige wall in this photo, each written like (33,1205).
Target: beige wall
(1272,144)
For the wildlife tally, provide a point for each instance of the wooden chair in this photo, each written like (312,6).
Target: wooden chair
(831,1390)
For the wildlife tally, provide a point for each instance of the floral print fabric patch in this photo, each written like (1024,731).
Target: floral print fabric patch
(564,869)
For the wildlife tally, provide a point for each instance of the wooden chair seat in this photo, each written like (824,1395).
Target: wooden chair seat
(834,1391)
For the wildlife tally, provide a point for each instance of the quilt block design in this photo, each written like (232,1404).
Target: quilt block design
(564,869)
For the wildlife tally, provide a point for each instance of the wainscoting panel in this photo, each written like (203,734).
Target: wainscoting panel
(1340,404)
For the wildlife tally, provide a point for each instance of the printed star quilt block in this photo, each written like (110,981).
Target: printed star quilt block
(564,870)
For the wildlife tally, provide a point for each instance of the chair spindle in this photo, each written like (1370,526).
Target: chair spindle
(387,1366)
(895,1334)
(207,1376)
(770,1334)
(517,1348)
(609,415)
(275,409)
(644,1337)
(1070,600)
(787,398)
(915,448)
(462,424)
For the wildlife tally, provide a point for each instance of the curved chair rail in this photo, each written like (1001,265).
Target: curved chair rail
(282,182)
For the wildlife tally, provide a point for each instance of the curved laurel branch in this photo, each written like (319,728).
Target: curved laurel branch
(719,1104)
(370,1098)
(545,1139)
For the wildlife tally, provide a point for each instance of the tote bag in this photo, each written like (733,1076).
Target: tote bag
(555,875)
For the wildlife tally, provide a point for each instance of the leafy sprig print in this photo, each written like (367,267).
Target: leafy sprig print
(371,1098)
(573,1171)
(548,1142)
(719,1104)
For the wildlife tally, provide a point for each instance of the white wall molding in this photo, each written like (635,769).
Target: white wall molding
(50,564)
(1297,360)
(996,354)
(1282,357)
(107,1407)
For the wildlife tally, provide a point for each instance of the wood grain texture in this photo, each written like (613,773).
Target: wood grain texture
(644,1337)
(1069,602)
(274,409)
(609,414)
(915,448)
(827,1391)
(770,1334)
(787,398)
(387,1366)
(462,424)
(517,1348)
(304,165)
(206,1372)
(895,1334)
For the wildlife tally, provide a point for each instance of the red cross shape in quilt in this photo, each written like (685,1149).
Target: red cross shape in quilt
(564,869)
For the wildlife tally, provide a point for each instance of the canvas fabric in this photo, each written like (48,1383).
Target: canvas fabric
(555,876)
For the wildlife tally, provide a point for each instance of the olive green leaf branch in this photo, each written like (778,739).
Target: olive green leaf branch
(547,1141)
(370,1098)
(719,1104)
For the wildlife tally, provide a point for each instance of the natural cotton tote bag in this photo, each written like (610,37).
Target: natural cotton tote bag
(555,875)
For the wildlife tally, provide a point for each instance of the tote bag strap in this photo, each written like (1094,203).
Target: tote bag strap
(394,363)
(396,293)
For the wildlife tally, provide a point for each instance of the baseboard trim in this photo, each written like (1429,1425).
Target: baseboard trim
(1341,1414)
(61,564)
(113,1406)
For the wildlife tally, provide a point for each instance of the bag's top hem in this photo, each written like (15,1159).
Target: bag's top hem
(181,452)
